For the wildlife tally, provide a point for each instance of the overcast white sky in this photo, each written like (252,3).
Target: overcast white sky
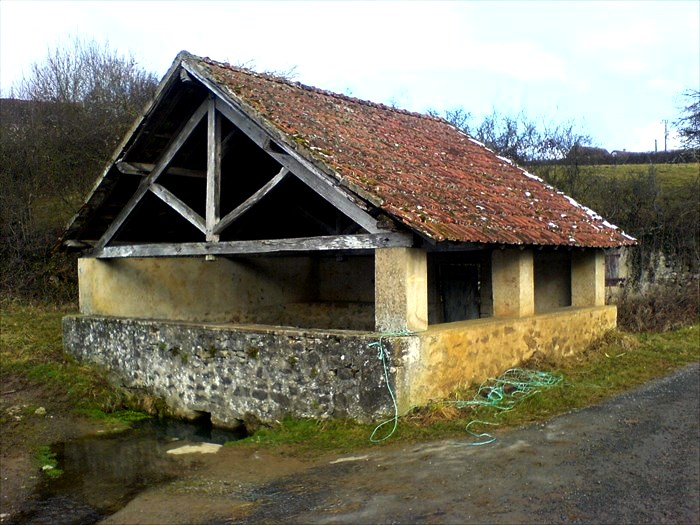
(617,68)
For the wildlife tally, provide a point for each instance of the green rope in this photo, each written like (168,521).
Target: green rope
(501,393)
(382,355)
(504,392)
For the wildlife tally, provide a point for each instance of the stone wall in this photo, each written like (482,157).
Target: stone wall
(451,355)
(237,373)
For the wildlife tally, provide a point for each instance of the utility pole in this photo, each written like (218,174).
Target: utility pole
(665,134)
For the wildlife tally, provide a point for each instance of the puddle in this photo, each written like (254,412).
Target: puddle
(102,474)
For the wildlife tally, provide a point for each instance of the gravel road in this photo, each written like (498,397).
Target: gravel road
(634,459)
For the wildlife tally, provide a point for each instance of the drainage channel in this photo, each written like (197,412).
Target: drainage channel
(101,474)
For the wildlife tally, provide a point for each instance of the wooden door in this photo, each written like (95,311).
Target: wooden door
(459,292)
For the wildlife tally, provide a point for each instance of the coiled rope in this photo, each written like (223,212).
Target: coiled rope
(501,393)
(504,393)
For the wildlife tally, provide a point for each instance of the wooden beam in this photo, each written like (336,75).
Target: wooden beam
(144,168)
(304,244)
(321,183)
(183,209)
(159,168)
(327,189)
(250,202)
(213,202)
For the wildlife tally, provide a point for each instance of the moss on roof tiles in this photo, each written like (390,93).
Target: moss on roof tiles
(418,168)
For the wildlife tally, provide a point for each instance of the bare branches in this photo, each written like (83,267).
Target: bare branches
(689,124)
(56,133)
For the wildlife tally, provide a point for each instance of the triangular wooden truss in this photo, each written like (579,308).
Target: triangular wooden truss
(214,109)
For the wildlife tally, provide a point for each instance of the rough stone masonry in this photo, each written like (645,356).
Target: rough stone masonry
(236,374)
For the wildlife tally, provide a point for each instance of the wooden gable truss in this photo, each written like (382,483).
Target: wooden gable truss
(364,231)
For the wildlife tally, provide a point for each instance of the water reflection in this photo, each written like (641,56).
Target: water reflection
(101,474)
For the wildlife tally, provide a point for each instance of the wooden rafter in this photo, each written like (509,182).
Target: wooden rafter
(321,183)
(303,244)
(143,169)
(159,168)
(250,202)
(183,209)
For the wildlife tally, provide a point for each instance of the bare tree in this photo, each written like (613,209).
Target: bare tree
(689,124)
(57,131)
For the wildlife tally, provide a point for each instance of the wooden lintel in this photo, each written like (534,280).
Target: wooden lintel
(159,168)
(179,206)
(304,244)
(249,202)
(144,168)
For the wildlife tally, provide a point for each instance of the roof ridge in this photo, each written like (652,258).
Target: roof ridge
(282,80)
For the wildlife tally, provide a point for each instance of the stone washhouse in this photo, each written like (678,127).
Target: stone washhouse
(258,248)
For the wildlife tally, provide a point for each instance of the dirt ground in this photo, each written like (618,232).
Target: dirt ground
(23,430)
(633,459)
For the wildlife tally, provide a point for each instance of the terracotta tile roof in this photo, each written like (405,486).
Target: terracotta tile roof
(419,169)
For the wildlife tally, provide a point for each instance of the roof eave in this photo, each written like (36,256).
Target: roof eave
(93,199)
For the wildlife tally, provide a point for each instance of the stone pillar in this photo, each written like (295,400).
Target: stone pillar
(588,278)
(513,283)
(400,290)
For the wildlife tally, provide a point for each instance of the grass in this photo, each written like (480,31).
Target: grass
(617,363)
(45,460)
(669,176)
(31,351)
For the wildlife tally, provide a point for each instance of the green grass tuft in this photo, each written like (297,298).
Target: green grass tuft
(46,461)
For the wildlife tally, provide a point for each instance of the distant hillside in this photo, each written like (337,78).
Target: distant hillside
(587,155)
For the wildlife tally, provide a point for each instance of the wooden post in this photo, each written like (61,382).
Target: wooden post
(213,170)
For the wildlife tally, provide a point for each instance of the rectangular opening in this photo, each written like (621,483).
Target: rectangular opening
(552,274)
(459,287)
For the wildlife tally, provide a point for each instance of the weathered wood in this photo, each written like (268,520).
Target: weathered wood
(306,171)
(160,166)
(250,202)
(179,206)
(304,244)
(144,168)
(326,188)
(213,170)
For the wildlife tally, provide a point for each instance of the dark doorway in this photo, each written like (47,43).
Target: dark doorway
(459,291)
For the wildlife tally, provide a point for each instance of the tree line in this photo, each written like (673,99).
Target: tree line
(664,218)
(65,118)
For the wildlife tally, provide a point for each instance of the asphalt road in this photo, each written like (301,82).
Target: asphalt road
(634,459)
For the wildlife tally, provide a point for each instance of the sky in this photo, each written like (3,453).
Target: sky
(616,69)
